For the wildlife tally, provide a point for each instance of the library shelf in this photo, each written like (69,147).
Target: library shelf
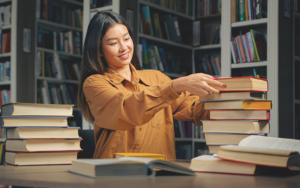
(7,82)
(199,140)
(5,27)
(208,17)
(164,41)
(57,80)
(4,1)
(248,65)
(73,2)
(183,139)
(100,9)
(2,139)
(297,101)
(250,23)
(207,47)
(59,52)
(166,10)
(56,26)
(5,55)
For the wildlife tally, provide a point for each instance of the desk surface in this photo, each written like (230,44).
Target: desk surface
(57,176)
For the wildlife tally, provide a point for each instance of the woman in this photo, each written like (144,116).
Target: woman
(133,110)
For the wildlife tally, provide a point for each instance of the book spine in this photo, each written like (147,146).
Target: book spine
(236,50)
(246,10)
(242,10)
(245,47)
(254,44)
(249,10)
(248,48)
(240,49)
(250,42)
(233,52)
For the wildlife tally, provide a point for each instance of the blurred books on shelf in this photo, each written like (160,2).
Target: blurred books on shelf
(246,10)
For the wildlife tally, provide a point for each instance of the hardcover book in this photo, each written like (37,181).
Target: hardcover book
(127,166)
(239,105)
(239,114)
(261,150)
(33,121)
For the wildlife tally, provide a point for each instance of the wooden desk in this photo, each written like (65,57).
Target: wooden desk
(57,176)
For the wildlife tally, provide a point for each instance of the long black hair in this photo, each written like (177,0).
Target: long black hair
(92,62)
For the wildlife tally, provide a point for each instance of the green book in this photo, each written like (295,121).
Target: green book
(242,10)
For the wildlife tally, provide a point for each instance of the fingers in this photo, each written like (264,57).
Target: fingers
(215,83)
(210,89)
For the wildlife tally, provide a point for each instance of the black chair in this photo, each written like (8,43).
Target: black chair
(87,144)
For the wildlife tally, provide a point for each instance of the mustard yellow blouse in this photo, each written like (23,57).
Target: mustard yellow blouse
(137,116)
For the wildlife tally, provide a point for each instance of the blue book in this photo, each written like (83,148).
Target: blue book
(145,54)
(148,23)
(238,48)
(163,59)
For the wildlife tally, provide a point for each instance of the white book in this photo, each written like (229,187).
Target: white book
(161,67)
(196,33)
(249,10)
(57,70)
(45,97)
(251,46)
(232,52)
(140,53)
(38,9)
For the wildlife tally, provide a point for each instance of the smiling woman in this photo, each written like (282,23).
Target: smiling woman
(133,109)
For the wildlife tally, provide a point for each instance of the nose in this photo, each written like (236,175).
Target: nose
(123,46)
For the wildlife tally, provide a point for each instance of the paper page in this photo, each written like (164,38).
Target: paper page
(271,143)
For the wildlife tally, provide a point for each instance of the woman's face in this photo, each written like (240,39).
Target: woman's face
(117,46)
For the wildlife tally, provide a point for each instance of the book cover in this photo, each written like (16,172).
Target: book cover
(233,52)
(238,49)
(248,47)
(241,48)
(245,47)
(254,44)
(148,23)
(261,44)
(251,46)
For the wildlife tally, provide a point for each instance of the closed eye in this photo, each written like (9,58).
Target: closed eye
(113,44)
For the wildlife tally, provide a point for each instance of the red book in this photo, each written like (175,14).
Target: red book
(239,114)
(239,39)
(243,83)
(236,51)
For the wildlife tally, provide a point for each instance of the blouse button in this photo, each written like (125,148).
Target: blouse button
(140,129)
(134,148)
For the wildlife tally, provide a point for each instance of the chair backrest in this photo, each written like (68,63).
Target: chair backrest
(87,144)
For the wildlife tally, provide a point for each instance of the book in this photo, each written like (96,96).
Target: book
(172,27)
(144,155)
(126,166)
(42,145)
(239,104)
(233,11)
(240,126)
(261,150)
(148,23)
(229,96)
(245,47)
(243,83)
(260,44)
(33,121)
(239,114)
(52,158)
(33,109)
(241,48)
(233,52)
(213,148)
(224,138)
(211,164)
(251,46)
(242,10)
(42,132)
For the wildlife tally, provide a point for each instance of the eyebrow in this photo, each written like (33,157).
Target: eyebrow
(116,38)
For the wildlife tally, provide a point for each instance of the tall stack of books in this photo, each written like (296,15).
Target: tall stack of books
(240,110)
(38,134)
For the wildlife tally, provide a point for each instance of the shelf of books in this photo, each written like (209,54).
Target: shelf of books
(247,29)
(8,46)
(58,52)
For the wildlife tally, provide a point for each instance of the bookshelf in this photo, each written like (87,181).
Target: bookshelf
(278,31)
(56,53)
(8,73)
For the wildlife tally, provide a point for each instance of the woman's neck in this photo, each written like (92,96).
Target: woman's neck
(124,71)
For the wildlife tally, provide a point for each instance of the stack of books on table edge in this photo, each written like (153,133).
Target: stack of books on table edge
(38,134)
(254,155)
(239,111)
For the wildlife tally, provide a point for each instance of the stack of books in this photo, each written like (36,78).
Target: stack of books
(38,134)
(238,111)
(252,156)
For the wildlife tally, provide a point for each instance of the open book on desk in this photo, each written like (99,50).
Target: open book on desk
(260,150)
(127,166)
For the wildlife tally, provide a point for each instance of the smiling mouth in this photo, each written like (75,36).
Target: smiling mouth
(124,56)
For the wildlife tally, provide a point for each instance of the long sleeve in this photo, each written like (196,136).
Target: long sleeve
(188,108)
(117,108)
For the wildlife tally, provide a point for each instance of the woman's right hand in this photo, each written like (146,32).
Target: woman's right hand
(198,84)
